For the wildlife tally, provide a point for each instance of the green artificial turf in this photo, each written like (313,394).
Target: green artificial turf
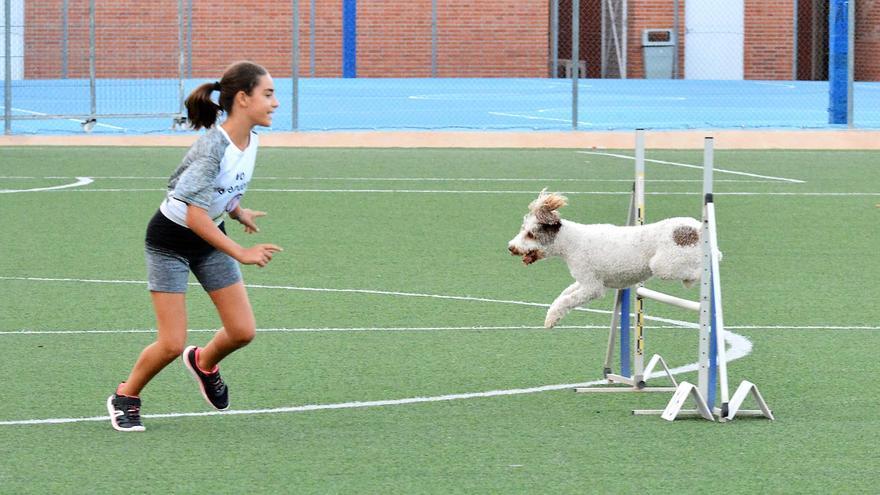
(396,284)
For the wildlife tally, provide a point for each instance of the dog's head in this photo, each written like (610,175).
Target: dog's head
(539,228)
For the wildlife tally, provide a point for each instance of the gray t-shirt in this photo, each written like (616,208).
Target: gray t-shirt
(213,175)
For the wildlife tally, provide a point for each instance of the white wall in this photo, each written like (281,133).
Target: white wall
(714,38)
(17,44)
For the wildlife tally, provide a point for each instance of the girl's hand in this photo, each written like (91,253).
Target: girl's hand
(259,255)
(247,217)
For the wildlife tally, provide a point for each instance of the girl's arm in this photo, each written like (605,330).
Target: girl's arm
(200,222)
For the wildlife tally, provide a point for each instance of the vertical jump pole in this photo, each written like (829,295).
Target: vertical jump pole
(720,353)
(713,359)
(639,361)
(703,374)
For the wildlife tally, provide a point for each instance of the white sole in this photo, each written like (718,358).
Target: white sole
(112,412)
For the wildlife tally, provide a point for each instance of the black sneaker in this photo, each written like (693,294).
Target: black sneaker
(125,412)
(213,389)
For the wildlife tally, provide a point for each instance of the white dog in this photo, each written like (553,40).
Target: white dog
(603,256)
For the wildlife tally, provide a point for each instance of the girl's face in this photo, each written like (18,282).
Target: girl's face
(261,103)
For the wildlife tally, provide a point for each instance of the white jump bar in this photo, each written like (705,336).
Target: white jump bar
(666,298)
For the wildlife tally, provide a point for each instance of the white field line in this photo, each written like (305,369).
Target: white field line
(673,323)
(739,347)
(322,329)
(473,96)
(779,85)
(677,323)
(805,327)
(532,117)
(323,289)
(31,112)
(26,331)
(531,192)
(699,167)
(405,179)
(80,181)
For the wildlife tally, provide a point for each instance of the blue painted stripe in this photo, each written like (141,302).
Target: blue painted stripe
(624,333)
(838,49)
(713,354)
(349,38)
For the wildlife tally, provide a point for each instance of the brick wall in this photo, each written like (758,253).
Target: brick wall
(769,39)
(139,39)
(502,38)
(131,39)
(42,43)
(867,40)
(394,39)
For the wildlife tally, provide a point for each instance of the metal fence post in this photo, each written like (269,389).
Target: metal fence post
(65,37)
(181,55)
(93,104)
(554,39)
(433,38)
(624,37)
(796,26)
(850,62)
(294,69)
(312,39)
(575,57)
(676,27)
(189,39)
(603,45)
(7,54)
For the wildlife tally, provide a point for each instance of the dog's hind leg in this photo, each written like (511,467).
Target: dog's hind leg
(573,296)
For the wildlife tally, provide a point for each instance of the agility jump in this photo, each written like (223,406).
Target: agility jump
(712,369)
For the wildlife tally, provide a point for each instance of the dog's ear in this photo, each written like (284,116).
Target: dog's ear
(538,203)
(549,202)
(553,202)
(545,206)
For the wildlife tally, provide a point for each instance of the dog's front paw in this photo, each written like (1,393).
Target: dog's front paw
(551,321)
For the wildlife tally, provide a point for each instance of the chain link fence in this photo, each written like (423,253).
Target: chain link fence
(93,65)
(121,66)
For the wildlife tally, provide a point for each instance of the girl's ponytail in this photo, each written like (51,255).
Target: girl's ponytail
(200,109)
(240,76)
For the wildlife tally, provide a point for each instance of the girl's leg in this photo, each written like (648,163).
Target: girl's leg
(239,326)
(170,310)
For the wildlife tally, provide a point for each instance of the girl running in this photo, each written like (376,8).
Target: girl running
(187,233)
